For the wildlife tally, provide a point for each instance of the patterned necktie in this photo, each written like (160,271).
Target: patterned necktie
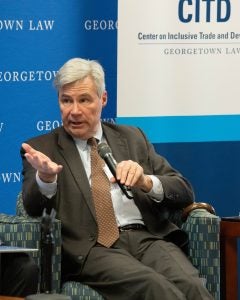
(107,226)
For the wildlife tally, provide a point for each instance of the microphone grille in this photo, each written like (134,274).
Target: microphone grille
(103,149)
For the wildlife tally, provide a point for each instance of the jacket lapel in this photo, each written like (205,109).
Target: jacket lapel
(70,154)
(117,143)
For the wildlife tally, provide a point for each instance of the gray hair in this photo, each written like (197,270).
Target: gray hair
(76,69)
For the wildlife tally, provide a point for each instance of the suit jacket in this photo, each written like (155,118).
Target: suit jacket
(73,200)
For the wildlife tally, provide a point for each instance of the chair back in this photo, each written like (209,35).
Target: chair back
(20,210)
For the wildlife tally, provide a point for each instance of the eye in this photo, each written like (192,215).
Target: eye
(84,100)
(66,101)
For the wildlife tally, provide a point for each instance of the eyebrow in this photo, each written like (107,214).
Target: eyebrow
(82,95)
(65,95)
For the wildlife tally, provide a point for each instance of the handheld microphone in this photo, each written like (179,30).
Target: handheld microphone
(106,154)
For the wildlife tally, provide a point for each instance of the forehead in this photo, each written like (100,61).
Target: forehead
(79,87)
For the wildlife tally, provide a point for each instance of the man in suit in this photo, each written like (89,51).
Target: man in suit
(145,260)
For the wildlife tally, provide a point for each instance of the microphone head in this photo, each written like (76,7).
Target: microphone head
(103,150)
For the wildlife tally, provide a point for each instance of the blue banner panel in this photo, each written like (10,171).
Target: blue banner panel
(212,168)
(36,38)
(187,128)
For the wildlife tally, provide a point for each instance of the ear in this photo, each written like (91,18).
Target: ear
(104,99)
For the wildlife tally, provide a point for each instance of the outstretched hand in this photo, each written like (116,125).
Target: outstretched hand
(47,169)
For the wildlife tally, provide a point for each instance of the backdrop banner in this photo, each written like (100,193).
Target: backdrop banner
(36,38)
(178,64)
(178,80)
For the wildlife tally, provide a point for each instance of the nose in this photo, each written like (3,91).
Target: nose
(75,108)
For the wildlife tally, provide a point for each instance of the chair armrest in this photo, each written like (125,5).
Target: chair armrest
(26,232)
(203,228)
(197,205)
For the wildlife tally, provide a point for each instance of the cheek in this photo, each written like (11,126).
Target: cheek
(64,113)
(91,112)
(99,109)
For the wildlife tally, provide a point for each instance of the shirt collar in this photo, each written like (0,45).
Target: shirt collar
(82,144)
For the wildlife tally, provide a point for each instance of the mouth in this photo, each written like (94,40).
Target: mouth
(76,123)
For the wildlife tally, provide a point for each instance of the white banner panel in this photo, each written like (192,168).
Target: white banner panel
(178,58)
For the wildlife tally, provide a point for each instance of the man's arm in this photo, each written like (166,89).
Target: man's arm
(37,165)
(46,168)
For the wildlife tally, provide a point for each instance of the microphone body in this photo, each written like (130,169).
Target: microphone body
(106,154)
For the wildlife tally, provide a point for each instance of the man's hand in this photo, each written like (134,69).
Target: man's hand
(131,174)
(47,169)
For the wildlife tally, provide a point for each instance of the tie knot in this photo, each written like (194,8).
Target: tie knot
(92,142)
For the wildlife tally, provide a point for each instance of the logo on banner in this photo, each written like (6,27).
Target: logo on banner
(109,120)
(10,177)
(197,42)
(31,25)
(27,76)
(100,25)
(204,10)
(47,125)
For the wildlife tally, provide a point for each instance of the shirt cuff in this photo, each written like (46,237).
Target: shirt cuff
(47,189)
(156,193)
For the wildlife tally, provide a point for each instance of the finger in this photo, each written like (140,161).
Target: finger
(51,167)
(30,158)
(122,171)
(139,177)
(134,174)
(40,161)
(126,172)
(113,180)
(59,169)
(34,161)
(28,148)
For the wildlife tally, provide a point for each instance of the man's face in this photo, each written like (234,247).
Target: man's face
(81,108)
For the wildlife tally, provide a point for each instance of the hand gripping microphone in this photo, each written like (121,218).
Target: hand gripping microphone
(106,154)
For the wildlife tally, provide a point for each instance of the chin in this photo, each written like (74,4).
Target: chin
(78,135)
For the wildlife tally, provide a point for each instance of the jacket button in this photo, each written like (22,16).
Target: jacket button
(80,257)
(91,238)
